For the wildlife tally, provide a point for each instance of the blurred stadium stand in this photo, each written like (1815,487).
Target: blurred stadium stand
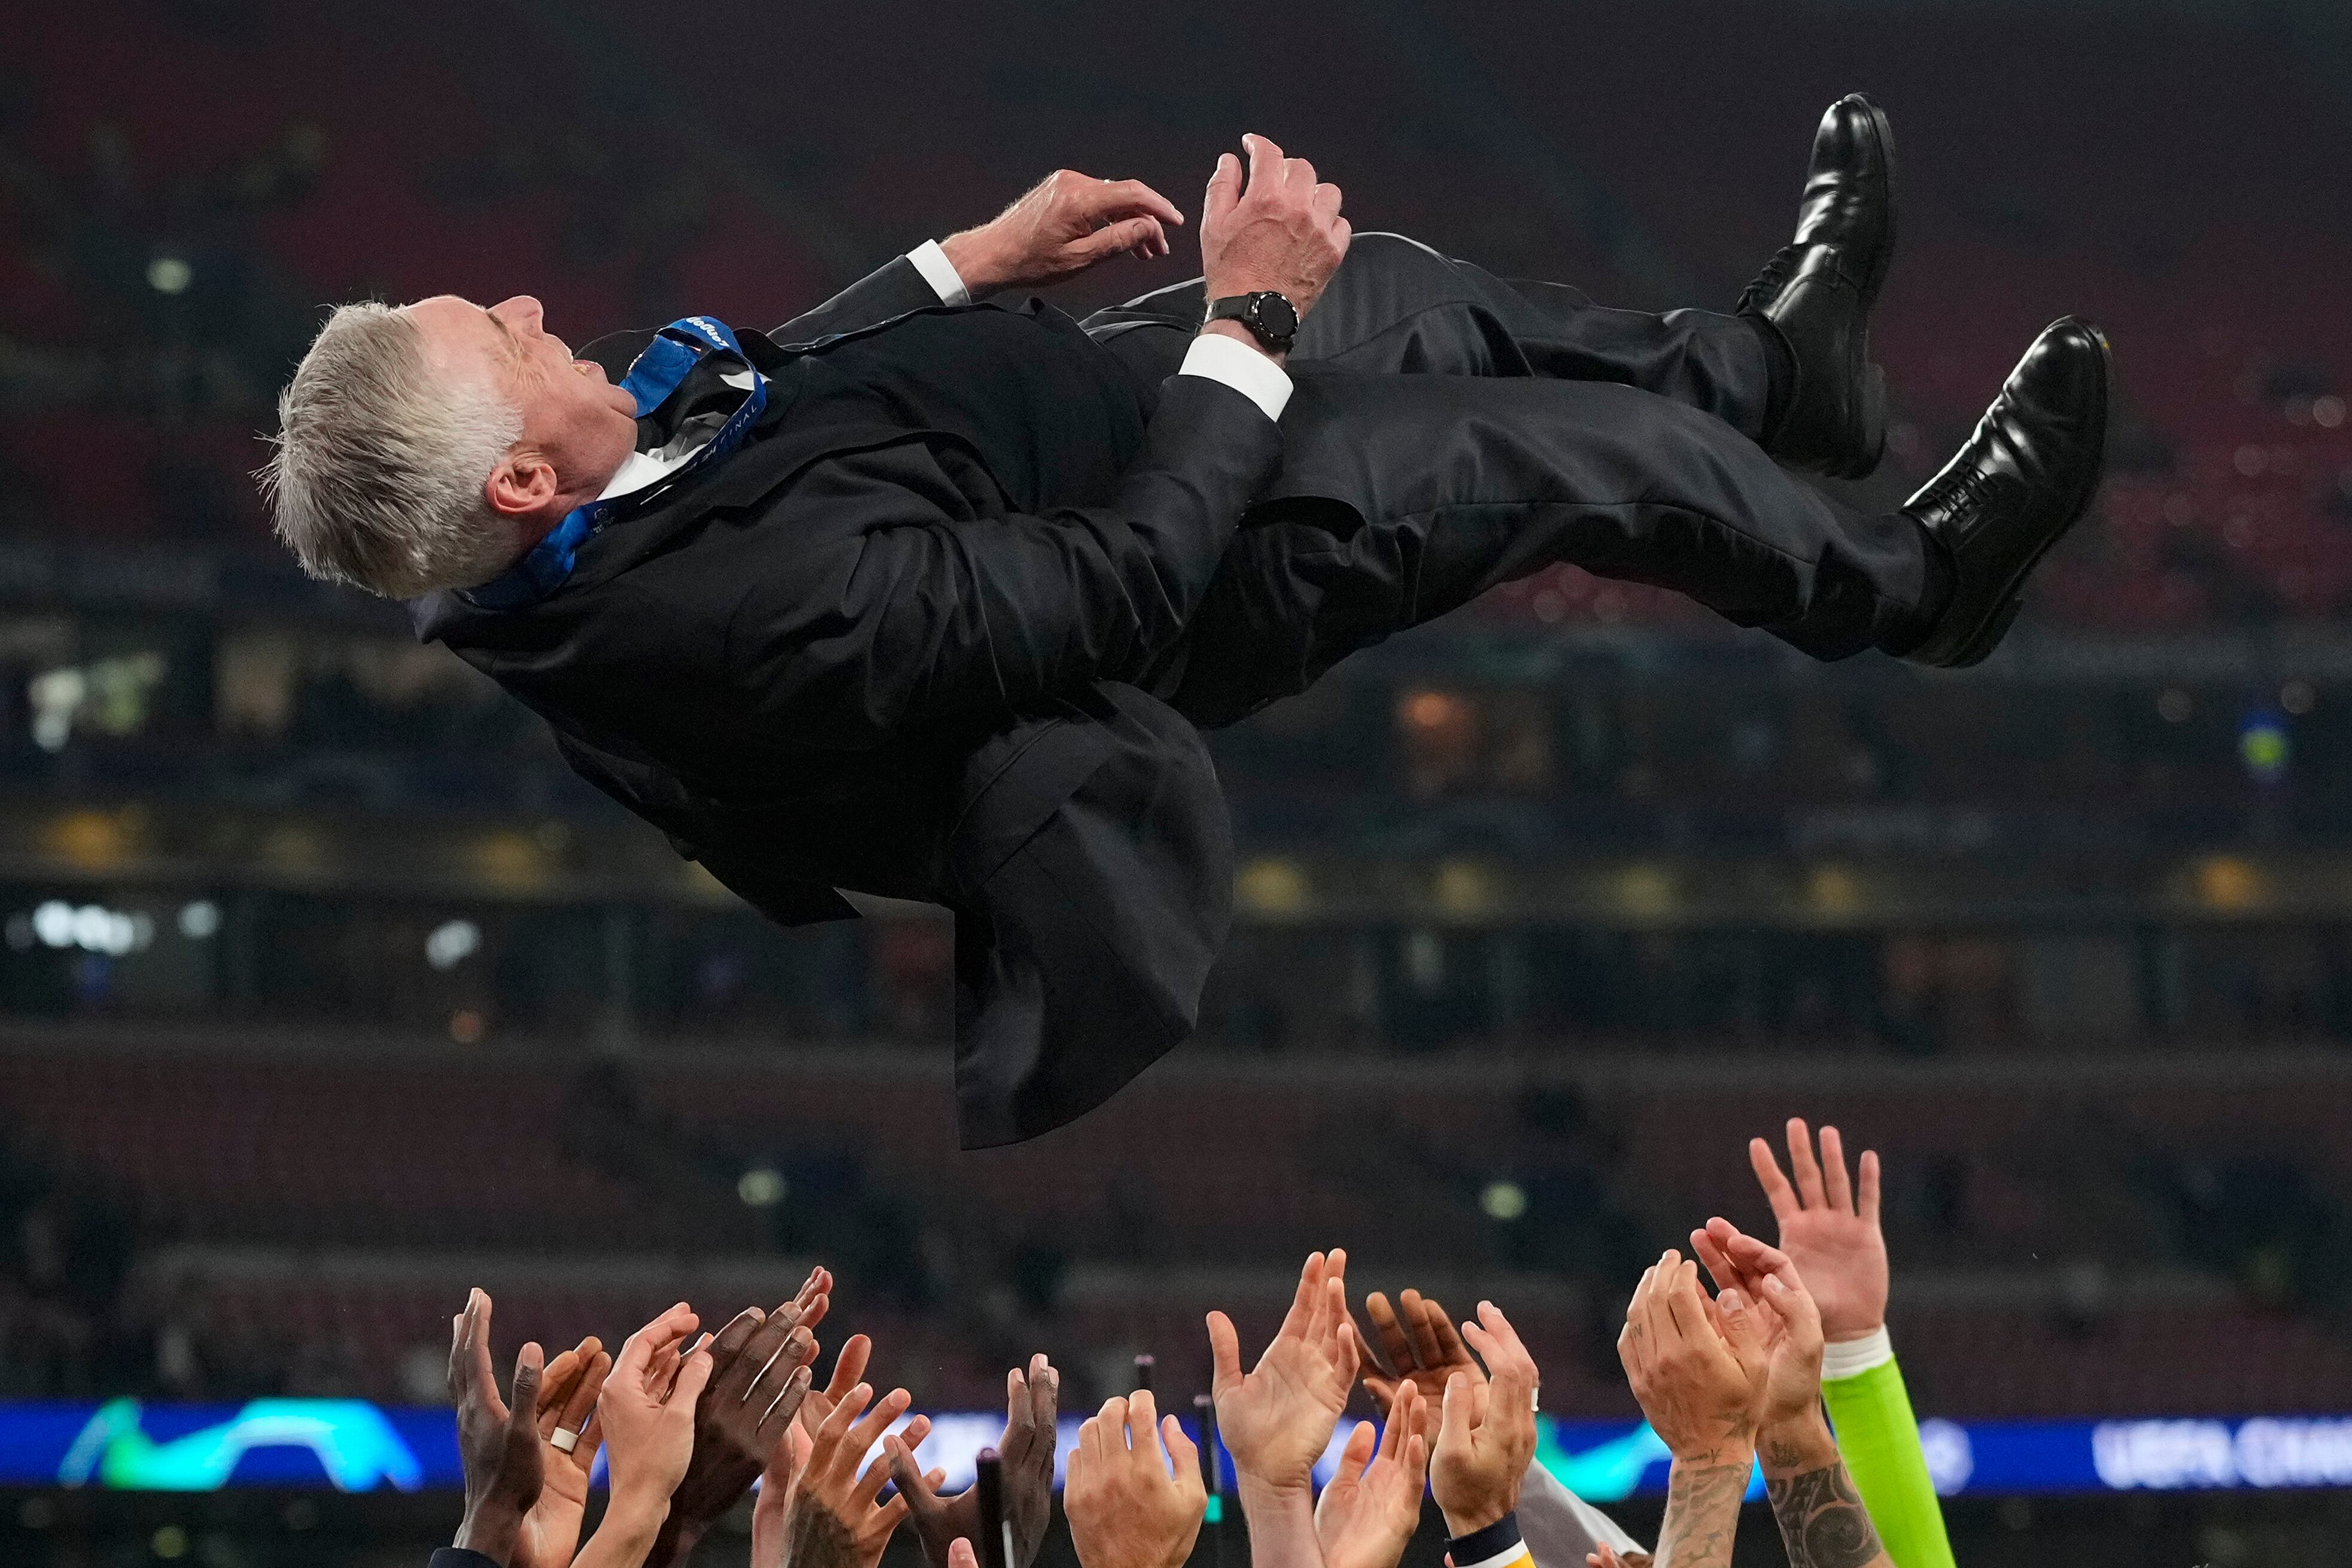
(328,992)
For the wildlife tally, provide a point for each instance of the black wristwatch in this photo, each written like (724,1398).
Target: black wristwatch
(1271,318)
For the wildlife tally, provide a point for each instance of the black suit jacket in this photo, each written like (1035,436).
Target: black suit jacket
(890,646)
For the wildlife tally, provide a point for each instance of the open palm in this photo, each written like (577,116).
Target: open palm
(1369,1511)
(1829,1228)
(1276,1418)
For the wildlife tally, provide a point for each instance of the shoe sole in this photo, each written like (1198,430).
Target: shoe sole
(1979,647)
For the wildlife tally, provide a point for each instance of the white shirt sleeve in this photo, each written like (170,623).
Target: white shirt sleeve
(1241,367)
(940,273)
(1560,1527)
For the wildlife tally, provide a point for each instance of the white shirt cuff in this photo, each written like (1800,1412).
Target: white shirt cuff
(940,273)
(1852,1357)
(1241,367)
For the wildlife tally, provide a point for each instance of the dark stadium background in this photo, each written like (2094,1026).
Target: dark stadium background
(327,993)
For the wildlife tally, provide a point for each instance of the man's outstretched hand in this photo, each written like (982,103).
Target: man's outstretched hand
(1031,1402)
(1829,1228)
(1060,227)
(499,1441)
(1282,232)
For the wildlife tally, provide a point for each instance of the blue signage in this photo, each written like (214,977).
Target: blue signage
(350,1445)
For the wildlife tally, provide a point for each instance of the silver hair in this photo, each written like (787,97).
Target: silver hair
(381,463)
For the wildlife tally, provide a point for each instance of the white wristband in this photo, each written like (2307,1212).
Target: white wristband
(1852,1357)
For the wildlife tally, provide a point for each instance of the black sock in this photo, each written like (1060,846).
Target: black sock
(1779,371)
(1939,579)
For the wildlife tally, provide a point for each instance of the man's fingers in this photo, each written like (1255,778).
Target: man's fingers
(1136,234)
(523,1412)
(1719,1266)
(1803,1169)
(1143,1419)
(1324,202)
(1224,188)
(1264,162)
(849,1365)
(1225,1353)
(1833,1176)
(960,1553)
(693,1377)
(477,1351)
(903,1473)
(573,1415)
(1396,1350)
(867,1432)
(1132,196)
(1455,1415)
(1777,1191)
(1357,1453)
(1298,174)
(1423,1318)
(1868,1207)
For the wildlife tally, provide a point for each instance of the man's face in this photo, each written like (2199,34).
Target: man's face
(575,421)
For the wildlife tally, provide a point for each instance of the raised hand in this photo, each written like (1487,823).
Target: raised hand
(760,1374)
(1127,1508)
(1276,1419)
(1031,1404)
(498,1443)
(1487,1432)
(1829,1228)
(1057,228)
(1699,1374)
(568,1391)
(647,1417)
(836,1511)
(1282,232)
(1368,1512)
(1419,1342)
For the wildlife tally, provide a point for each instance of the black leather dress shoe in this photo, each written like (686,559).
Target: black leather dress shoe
(2020,483)
(1818,291)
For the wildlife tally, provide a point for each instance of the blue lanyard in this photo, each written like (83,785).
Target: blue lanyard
(655,375)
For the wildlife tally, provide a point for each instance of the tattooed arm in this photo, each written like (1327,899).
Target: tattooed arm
(1821,1515)
(1699,1370)
(1703,1511)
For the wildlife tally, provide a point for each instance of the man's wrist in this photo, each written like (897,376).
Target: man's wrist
(1471,1520)
(1797,1445)
(492,1531)
(976,258)
(1258,1490)
(1242,334)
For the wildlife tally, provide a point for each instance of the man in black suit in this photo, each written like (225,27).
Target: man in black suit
(928,599)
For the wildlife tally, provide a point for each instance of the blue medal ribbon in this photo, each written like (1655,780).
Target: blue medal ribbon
(653,376)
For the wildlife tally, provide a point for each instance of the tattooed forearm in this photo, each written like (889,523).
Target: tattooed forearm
(1822,1520)
(1702,1512)
(818,1540)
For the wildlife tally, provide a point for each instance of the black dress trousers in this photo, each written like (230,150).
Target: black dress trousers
(1450,430)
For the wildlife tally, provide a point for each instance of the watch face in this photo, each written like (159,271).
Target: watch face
(1272,315)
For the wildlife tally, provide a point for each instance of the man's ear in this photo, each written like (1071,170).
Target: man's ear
(521,484)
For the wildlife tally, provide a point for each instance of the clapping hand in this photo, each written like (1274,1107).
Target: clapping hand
(1276,1419)
(1368,1512)
(1057,228)
(498,1443)
(1698,1369)
(835,1517)
(1031,1404)
(1788,1323)
(568,1393)
(1486,1434)
(1127,1507)
(1281,233)
(760,1374)
(1829,1228)
(1420,1342)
